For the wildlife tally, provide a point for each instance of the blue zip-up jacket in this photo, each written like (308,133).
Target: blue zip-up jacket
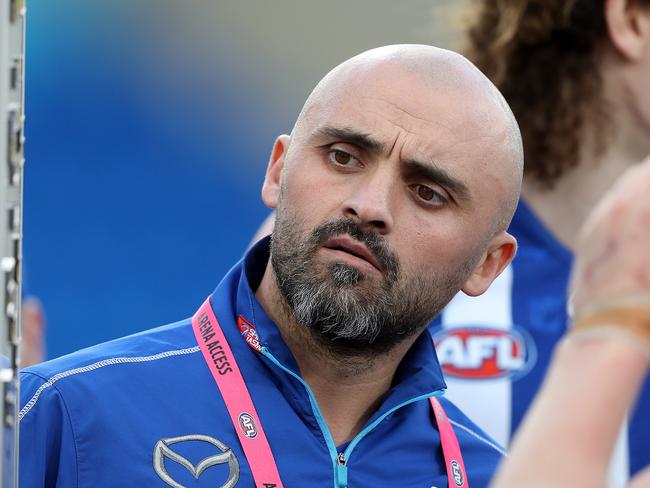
(145,411)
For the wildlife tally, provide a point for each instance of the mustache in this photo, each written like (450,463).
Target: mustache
(373,241)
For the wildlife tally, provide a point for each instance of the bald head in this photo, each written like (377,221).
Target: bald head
(459,96)
(393,193)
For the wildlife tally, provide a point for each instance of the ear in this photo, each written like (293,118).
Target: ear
(628,26)
(271,186)
(500,251)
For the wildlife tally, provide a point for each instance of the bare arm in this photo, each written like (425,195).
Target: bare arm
(569,434)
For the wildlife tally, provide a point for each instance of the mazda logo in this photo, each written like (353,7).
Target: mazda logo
(164,448)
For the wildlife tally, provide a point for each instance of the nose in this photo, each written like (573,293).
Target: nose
(370,201)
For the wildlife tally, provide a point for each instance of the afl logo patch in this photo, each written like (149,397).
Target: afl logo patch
(247,425)
(479,353)
(457,473)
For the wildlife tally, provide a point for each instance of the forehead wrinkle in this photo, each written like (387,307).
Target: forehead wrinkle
(396,106)
(479,127)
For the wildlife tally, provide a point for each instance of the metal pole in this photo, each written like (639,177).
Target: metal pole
(12,54)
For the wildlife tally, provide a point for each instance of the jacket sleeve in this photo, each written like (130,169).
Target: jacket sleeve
(48,455)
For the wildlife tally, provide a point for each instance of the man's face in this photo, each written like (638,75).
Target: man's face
(378,218)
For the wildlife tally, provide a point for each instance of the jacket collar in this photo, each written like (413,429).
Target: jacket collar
(418,374)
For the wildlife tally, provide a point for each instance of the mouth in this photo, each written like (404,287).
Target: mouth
(354,252)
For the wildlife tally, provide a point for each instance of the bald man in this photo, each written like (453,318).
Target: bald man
(307,366)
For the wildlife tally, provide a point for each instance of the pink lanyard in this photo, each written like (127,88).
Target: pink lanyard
(456,474)
(225,371)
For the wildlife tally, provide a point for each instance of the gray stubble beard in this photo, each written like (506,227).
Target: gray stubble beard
(339,304)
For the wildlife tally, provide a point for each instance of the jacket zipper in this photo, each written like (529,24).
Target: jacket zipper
(340,460)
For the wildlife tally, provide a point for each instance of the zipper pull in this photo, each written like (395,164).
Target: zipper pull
(341,472)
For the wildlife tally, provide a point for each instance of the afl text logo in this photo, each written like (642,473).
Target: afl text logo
(247,425)
(479,353)
(457,473)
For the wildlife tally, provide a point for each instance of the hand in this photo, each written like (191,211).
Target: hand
(613,253)
(568,434)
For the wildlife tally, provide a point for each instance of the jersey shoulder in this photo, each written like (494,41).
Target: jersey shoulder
(150,342)
(109,358)
(75,407)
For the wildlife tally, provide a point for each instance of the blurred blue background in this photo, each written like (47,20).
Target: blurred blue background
(149,124)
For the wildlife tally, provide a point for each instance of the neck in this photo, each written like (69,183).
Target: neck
(565,207)
(348,388)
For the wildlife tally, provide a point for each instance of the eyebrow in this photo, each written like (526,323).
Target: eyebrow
(352,136)
(432,172)
(428,170)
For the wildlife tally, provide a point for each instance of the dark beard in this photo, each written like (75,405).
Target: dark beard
(347,311)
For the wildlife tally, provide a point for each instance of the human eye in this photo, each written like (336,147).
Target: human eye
(427,195)
(342,158)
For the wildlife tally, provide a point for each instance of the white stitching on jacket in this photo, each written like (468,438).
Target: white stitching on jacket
(479,437)
(100,364)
